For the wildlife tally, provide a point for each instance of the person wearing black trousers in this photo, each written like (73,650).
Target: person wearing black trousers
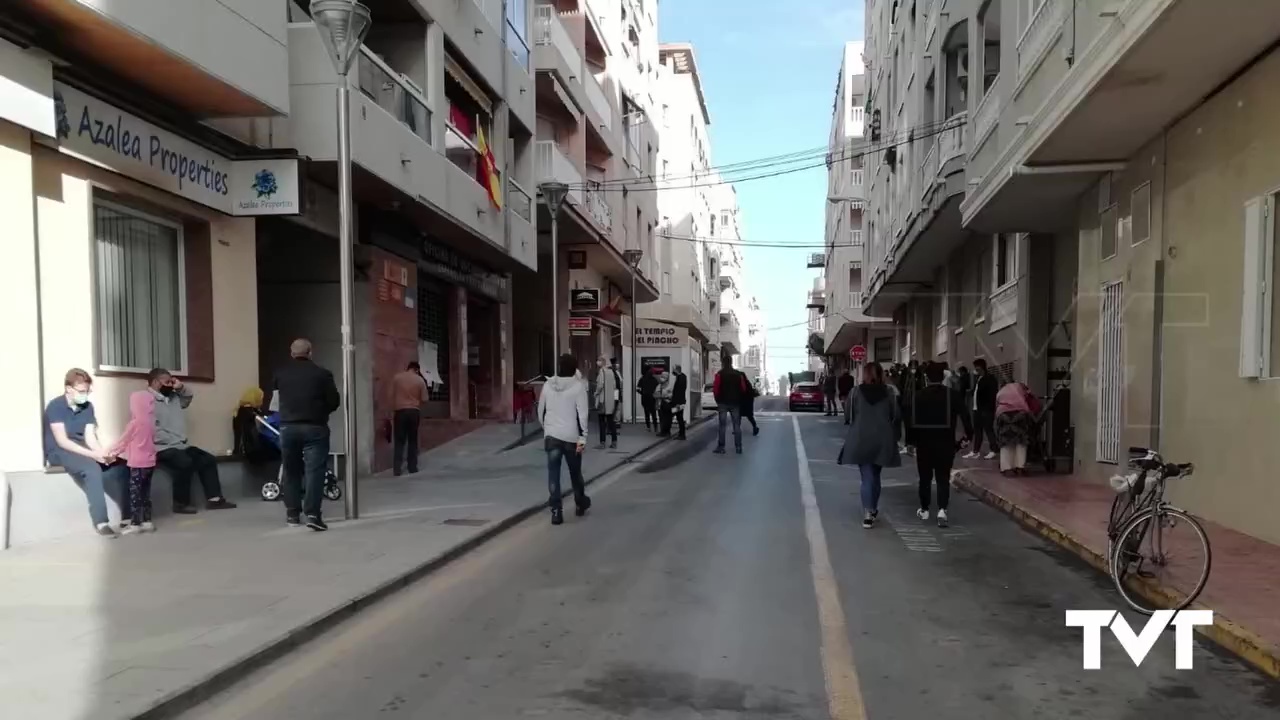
(646,386)
(679,396)
(934,413)
(749,407)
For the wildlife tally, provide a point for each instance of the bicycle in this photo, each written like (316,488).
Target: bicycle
(1139,535)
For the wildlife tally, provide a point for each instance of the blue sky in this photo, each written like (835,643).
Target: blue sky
(769,73)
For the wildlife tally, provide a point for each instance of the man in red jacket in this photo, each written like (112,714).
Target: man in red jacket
(729,388)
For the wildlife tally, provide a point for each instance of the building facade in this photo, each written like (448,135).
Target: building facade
(1124,256)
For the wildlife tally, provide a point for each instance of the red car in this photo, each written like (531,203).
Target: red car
(805,395)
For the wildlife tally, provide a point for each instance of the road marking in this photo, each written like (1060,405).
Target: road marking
(918,538)
(844,692)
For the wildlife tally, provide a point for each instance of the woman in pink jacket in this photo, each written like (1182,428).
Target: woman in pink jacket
(1017,413)
(138,447)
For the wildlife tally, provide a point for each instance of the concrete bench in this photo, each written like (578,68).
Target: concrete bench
(46,505)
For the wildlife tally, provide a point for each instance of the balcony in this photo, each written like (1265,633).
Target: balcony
(817,260)
(598,101)
(598,206)
(552,165)
(1041,32)
(212,59)
(391,139)
(986,114)
(555,52)
(523,240)
(519,201)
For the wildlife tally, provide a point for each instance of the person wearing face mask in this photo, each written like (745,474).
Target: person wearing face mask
(174,451)
(71,441)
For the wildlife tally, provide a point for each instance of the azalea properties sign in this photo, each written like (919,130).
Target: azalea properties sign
(100,133)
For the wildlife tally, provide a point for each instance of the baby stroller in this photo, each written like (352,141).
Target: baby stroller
(268,426)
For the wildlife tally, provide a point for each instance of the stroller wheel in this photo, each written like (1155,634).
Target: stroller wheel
(271,491)
(333,491)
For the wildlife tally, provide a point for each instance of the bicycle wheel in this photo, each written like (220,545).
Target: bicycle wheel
(1161,560)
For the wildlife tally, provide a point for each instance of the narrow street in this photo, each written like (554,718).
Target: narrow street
(688,593)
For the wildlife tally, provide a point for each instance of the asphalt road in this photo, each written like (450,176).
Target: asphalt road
(706,586)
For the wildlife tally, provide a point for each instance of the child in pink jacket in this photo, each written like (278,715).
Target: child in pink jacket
(138,447)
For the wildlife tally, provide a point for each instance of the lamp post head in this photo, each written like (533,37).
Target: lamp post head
(343,25)
(553,193)
(633,257)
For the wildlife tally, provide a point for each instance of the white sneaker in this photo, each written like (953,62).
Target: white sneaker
(989,456)
(922,514)
(131,530)
(148,526)
(942,518)
(970,455)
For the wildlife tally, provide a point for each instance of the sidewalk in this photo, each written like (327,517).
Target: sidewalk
(1242,589)
(146,625)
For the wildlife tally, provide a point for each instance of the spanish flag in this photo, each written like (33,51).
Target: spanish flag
(489,170)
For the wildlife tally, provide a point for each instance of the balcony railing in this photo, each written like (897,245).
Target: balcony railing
(855,237)
(855,299)
(553,165)
(986,114)
(598,100)
(394,93)
(598,206)
(951,141)
(1040,32)
(462,151)
(519,200)
(632,125)
(517,45)
(1003,310)
(941,339)
(550,31)
(929,170)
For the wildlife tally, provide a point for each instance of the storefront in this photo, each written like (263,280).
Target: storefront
(146,241)
(659,345)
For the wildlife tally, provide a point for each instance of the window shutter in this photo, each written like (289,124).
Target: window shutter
(1253,288)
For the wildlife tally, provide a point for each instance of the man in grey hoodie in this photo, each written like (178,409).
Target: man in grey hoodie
(562,410)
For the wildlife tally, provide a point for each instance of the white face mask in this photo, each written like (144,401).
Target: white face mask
(79,398)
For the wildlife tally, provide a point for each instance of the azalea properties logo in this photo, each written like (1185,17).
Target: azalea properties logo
(1138,645)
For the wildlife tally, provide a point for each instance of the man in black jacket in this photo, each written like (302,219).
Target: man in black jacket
(983,405)
(749,408)
(646,386)
(308,396)
(679,398)
(728,389)
(844,386)
(933,432)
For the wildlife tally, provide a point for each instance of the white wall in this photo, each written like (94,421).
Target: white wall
(242,42)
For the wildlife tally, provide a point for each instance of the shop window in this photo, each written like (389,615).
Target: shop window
(138,262)
(433,327)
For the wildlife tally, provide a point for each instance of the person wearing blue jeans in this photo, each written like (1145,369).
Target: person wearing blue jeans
(874,420)
(71,442)
(308,396)
(562,410)
(729,388)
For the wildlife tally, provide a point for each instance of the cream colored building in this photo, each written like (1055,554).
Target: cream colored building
(1125,188)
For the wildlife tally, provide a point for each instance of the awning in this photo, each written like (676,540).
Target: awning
(473,89)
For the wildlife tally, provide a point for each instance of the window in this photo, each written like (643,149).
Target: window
(1259,336)
(1004,261)
(1107,232)
(724,218)
(141,299)
(1140,211)
(517,40)
(1111,373)
(855,237)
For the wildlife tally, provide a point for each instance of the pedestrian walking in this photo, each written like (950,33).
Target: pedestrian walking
(728,389)
(409,394)
(307,397)
(964,386)
(647,386)
(562,411)
(1016,413)
(137,445)
(749,407)
(829,389)
(663,394)
(608,401)
(983,406)
(679,398)
(935,412)
(872,439)
(844,386)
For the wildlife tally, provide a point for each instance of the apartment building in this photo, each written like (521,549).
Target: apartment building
(170,203)
(847,324)
(1119,192)
(755,352)
(594,66)
(816,305)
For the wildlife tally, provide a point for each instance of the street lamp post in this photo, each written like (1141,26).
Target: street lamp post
(553,193)
(343,25)
(633,258)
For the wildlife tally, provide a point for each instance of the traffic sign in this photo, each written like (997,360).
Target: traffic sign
(858,353)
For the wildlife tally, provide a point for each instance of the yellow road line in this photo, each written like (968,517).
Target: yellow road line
(844,692)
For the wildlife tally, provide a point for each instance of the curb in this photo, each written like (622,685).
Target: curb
(184,699)
(1224,632)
